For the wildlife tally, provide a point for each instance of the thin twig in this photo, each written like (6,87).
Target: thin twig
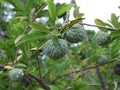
(40,81)
(38,65)
(15,62)
(101,78)
(81,70)
(94,84)
(111,29)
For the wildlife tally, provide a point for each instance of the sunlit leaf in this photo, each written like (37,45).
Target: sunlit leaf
(40,27)
(100,23)
(114,21)
(19,38)
(52,10)
(115,34)
(76,12)
(63,8)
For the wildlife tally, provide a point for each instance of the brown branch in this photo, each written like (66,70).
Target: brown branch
(40,81)
(101,78)
(77,71)
(111,29)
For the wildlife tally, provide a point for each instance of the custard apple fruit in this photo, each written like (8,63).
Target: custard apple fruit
(16,74)
(102,59)
(75,34)
(55,50)
(102,38)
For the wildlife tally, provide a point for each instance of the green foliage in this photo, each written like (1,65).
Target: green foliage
(30,47)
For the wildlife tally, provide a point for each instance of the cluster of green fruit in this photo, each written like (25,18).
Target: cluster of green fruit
(74,34)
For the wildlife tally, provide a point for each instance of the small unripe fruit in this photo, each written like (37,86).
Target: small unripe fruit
(102,59)
(56,50)
(102,38)
(75,34)
(16,74)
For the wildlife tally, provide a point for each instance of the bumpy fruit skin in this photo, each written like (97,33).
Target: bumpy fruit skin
(55,50)
(75,34)
(102,38)
(16,74)
(102,59)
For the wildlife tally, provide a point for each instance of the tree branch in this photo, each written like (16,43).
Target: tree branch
(40,81)
(101,78)
(111,29)
(77,71)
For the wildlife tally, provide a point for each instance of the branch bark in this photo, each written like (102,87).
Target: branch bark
(40,81)
(101,78)
(81,70)
(111,29)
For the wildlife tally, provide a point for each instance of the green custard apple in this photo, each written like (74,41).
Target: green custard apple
(16,74)
(55,50)
(75,34)
(102,59)
(102,38)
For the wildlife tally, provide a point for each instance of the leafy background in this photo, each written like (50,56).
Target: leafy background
(23,39)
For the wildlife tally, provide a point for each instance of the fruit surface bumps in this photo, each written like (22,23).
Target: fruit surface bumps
(55,50)
(102,59)
(75,34)
(102,37)
(16,74)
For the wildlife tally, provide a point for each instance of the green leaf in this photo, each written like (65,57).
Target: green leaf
(115,48)
(53,87)
(43,13)
(71,23)
(19,5)
(19,38)
(114,21)
(40,27)
(33,36)
(52,10)
(76,12)
(39,46)
(29,5)
(63,8)
(115,34)
(100,23)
